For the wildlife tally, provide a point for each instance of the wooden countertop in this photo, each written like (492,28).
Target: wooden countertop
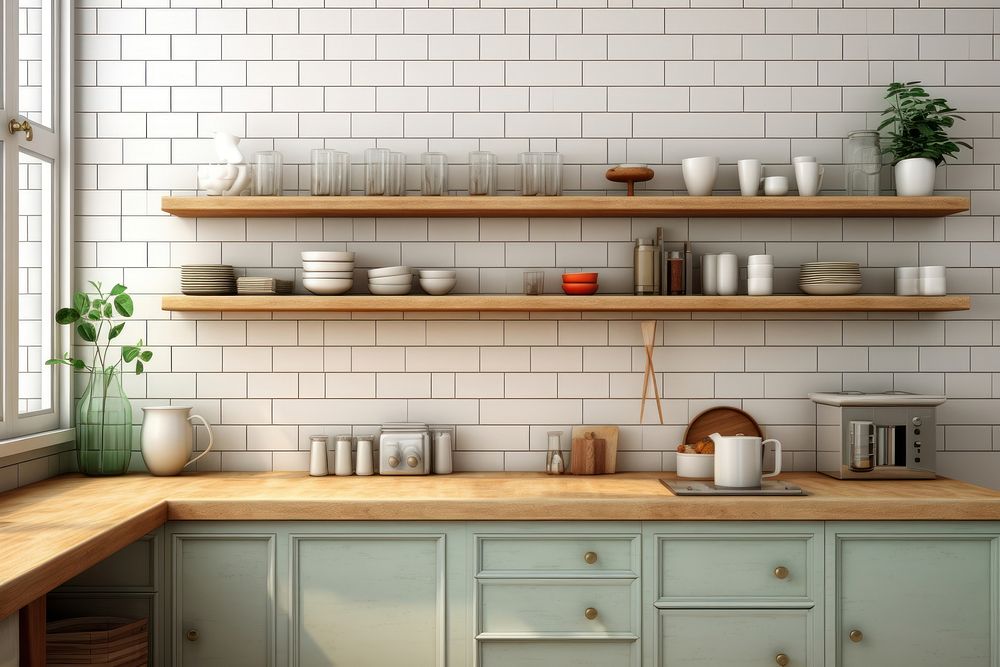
(53,530)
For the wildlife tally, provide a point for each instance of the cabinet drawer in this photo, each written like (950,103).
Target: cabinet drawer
(733,638)
(728,567)
(578,555)
(513,606)
(557,653)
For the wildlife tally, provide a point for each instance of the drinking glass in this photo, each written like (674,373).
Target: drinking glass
(534,282)
(434,181)
(395,178)
(267,173)
(531,173)
(340,185)
(321,175)
(482,173)
(552,174)
(376,163)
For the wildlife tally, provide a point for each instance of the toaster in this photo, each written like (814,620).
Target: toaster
(404,449)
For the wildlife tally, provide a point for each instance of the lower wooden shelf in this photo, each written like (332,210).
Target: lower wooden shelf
(561,303)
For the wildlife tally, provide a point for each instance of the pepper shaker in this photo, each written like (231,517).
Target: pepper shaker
(366,457)
(342,456)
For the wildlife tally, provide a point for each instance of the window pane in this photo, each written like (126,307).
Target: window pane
(34,27)
(34,278)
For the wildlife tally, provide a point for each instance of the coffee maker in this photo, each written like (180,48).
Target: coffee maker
(876,436)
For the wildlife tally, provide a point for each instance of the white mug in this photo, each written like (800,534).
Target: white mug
(751,174)
(739,461)
(699,175)
(776,186)
(803,158)
(808,178)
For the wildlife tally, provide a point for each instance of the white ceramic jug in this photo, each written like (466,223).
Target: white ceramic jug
(739,460)
(167,438)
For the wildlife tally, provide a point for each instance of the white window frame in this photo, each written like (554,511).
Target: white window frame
(26,433)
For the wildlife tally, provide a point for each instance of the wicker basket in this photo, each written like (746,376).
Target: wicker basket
(97,640)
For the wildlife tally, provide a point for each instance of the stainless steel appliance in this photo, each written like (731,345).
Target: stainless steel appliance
(876,436)
(405,449)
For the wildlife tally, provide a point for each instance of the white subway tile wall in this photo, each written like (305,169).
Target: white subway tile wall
(602,81)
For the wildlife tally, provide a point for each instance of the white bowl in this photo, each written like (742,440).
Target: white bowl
(437,273)
(328,266)
(328,285)
(328,256)
(389,271)
(328,274)
(696,466)
(392,280)
(437,286)
(389,290)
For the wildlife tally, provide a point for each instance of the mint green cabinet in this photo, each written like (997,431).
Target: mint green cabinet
(920,595)
(735,637)
(557,653)
(222,599)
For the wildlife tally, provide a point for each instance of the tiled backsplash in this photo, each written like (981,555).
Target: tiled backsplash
(602,81)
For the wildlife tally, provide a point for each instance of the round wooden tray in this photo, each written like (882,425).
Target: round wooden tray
(724,421)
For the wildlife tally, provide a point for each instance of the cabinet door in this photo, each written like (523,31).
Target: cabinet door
(368,600)
(915,600)
(557,653)
(734,638)
(223,600)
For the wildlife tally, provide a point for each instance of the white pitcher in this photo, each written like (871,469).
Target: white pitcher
(167,439)
(739,460)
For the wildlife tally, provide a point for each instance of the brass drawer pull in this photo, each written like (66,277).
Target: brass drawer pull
(590,558)
(192,635)
(781,572)
(856,636)
(14,126)
(590,613)
(781,659)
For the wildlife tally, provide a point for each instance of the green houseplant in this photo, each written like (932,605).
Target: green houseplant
(103,413)
(918,138)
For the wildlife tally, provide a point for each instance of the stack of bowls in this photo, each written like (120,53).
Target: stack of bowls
(579,284)
(328,271)
(207,279)
(760,275)
(830,278)
(390,281)
(437,281)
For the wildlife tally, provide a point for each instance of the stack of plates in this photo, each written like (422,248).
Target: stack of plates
(207,279)
(390,280)
(249,285)
(830,278)
(328,271)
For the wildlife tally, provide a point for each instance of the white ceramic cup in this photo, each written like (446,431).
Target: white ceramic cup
(728,274)
(751,173)
(803,158)
(776,186)
(699,175)
(931,281)
(907,281)
(739,461)
(710,274)
(760,286)
(808,178)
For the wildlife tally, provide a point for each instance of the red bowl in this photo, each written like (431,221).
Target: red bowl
(579,289)
(587,278)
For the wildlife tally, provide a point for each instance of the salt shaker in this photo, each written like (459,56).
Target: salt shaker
(342,456)
(365,464)
(442,453)
(318,465)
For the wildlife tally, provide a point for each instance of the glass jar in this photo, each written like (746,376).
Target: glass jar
(556,459)
(863,163)
(103,426)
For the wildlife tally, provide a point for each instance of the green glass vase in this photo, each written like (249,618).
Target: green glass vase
(103,426)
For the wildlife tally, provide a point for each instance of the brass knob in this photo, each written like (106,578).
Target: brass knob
(192,635)
(590,613)
(590,558)
(14,126)
(856,636)
(412,461)
(393,461)
(781,572)
(781,659)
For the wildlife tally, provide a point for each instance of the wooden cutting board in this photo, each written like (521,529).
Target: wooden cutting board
(724,421)
(610,436)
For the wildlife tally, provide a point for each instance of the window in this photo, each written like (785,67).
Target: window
(32,174)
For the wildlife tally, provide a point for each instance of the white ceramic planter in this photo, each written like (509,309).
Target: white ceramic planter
(915,177)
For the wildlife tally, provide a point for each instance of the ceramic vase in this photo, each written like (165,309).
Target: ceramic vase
(915,177)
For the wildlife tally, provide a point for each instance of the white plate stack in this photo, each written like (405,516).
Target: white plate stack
(328,272)
(437,282)
(390,281)
(250,285)
(830,278)
(207,279)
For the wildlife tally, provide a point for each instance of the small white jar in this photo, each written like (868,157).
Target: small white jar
(932,281)
(907,281)
(728,274)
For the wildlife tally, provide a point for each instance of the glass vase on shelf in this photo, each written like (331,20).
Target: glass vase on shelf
(863,163)
(104,425)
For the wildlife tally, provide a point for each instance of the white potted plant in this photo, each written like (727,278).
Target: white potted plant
(918,140)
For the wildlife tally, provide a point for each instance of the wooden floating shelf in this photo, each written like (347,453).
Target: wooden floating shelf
(560,303)
(680,206)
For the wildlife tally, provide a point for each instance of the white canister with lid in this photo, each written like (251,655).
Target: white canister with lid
(907,281)
(365,464)
(319,466)
(342,456)
(728,276)
(932,281)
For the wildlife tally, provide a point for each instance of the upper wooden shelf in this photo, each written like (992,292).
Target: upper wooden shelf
(561,303)
(680,206)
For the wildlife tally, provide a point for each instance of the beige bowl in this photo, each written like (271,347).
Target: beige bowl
(696,466)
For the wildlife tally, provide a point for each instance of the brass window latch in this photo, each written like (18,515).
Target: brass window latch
(14,126)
